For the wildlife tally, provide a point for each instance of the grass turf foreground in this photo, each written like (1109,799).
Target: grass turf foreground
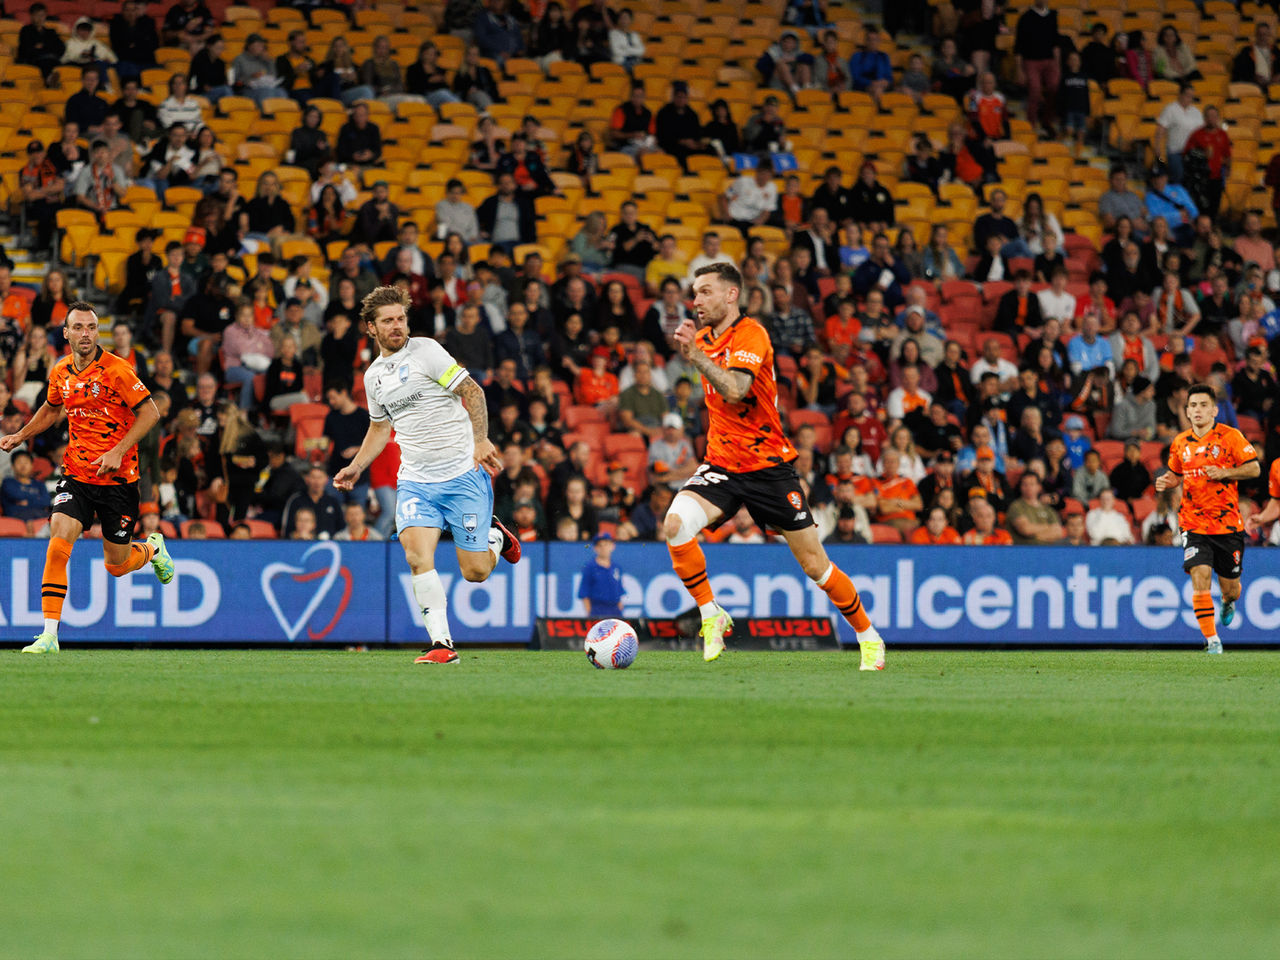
(328,804)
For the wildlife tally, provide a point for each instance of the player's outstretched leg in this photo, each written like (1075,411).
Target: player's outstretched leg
(835,583)
(161,562)
(1202,606)
(508,547)
(139,555)
(685,519)
(53,591)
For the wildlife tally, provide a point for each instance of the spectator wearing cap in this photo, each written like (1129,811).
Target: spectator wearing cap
(42,189)
(779,65)
(1077,443)
(671,454)
(751,200)
(986,478)
(85,108)
(984,533)
(255,72)
(170,163)
(851,524)
(869,69)
(601,588)
(677,128)
(1172,203)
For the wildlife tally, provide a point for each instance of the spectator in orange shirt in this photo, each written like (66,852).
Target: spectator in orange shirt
(936,531)
(596,385)
(985,533)
(14,307)
(987,110)
(900,501)
(844,327)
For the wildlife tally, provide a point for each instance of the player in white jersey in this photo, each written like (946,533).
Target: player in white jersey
(446,458)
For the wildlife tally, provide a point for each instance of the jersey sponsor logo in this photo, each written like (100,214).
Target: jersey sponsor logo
(138,387)
(745,356)
(62,498)
(394,407)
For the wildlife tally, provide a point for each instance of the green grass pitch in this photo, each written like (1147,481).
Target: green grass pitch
(328,804)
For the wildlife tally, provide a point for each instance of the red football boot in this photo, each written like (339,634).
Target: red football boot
(439,653)
(510,545)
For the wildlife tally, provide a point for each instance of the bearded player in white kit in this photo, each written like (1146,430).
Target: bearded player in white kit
(446,459)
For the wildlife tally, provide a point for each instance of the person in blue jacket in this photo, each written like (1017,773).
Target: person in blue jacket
(1172,202)
(869,68)
(601,587)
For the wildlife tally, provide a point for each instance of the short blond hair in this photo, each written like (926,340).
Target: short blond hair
(381,297)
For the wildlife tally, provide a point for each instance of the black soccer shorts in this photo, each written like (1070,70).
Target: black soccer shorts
(114,504)
(1222,551)
(772,496)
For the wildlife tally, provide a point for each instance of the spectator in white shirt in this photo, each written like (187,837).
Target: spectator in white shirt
(1106,524)
(752,199)
(909,396)
(1176,122)
(626,47)
(991,361)
(710,253)
(1055,302)
(455,215)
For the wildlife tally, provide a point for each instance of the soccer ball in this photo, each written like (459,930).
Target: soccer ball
(611,645)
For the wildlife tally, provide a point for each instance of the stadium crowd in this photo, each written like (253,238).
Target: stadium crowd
(1015,383)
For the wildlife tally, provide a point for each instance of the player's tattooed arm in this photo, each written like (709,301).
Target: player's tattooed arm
(733,385)
(473,399)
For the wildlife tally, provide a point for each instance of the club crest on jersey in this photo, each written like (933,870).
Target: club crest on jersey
(403,373)
(1214,452)
(793,498)
(469,522)
(1186,453)
(94,389)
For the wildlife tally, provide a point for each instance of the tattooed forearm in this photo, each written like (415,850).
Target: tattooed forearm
(477,409)
(733,385)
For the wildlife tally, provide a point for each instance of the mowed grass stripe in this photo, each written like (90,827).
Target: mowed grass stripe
(259,803)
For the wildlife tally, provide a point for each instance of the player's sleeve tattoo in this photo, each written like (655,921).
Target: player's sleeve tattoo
(733,385)
(477,409)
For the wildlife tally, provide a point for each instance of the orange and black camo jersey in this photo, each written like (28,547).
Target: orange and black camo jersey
(747,435)
(100,402)
(1209,506)
(1273,479)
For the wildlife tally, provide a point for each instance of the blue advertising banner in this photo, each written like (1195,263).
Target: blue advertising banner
(293,592)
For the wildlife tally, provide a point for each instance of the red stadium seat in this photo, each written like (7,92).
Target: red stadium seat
(578,414)
(1252,429)
(797,418)
(616,443)
(883,533)
(261,529)
(212,529)
(1111,451)
(12,527)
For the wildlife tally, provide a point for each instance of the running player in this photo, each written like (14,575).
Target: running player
(109,411)
(748,461)
(445,451)
(1208,460)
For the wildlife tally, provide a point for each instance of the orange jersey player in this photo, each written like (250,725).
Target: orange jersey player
(749,461)
(1208,460)
(108,411)
(1272,510)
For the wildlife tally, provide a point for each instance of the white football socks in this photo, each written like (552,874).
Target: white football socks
(51,626)
(429,592)
(495,544)
(708,610)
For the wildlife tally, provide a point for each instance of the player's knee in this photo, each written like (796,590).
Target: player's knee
(684,521)
(475,574)
(814,564)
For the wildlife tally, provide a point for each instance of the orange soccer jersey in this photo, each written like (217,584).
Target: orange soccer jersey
(1209,506)
(99,401)
(747,435)
(1273,479)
